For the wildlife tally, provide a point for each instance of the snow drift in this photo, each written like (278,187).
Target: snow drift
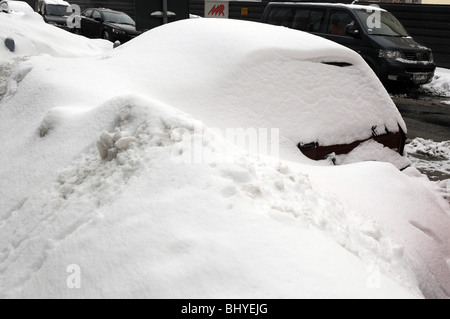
(141,223)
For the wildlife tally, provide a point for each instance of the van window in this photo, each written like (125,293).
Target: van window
(315,20)
(339,20)
(280,16)
(386,24)
(301,19)
(308,19)
(56,10)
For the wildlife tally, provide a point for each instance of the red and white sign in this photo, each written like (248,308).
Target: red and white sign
(216,9)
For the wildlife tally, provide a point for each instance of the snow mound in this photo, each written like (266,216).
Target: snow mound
(373,151)
(440,85)
(234,223)
(432,158)
(98,177)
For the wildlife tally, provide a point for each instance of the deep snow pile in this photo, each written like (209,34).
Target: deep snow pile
(98,174)
(440,85)
(432,158)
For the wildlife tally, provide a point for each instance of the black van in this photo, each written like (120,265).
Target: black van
(372,32)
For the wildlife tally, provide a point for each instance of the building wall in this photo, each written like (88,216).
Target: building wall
(436,2)
(127,6)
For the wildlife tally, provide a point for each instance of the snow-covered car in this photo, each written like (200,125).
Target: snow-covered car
(9,6)
(323,97)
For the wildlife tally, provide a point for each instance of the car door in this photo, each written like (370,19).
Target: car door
(86,23)
(97,24)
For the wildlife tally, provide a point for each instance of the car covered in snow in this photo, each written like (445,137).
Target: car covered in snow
(8,6)
(325,100)
(108,24)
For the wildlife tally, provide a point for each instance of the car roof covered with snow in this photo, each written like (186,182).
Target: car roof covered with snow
(15,6)
(57,2)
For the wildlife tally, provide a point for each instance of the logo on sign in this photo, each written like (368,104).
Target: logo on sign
(217,10)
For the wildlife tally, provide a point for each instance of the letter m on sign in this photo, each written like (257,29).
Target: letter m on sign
(216,9)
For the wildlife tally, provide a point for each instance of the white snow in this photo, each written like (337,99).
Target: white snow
(98,200)
(16,7)
(432,158)
(440,85)
(373,151)
(57,2)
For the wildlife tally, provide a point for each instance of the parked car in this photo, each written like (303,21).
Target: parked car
(8,6)
(108,24)
(55,12)
(371,31)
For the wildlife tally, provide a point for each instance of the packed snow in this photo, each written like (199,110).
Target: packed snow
(103,193)
(440,85)
(433,159)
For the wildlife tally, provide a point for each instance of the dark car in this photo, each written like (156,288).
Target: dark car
(107,24)
(372,32)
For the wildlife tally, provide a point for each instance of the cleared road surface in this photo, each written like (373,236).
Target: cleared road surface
(429,119)
(425,118)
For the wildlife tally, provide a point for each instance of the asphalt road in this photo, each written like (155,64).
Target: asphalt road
(429,119)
